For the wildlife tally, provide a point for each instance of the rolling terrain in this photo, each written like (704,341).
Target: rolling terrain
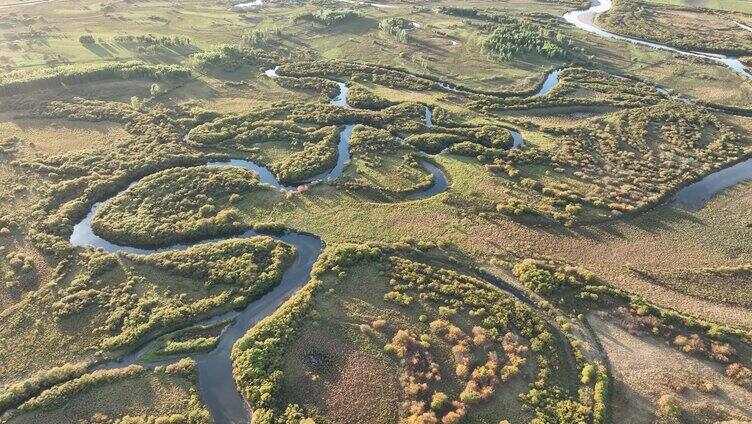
(525,211)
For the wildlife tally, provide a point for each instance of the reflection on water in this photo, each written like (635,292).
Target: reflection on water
(551,80)
(694,196)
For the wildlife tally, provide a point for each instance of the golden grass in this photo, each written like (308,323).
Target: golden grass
(645,368)
(150,394)
(347,385)
(50,136)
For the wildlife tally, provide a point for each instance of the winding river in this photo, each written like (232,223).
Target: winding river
(216,383)
(215,380)
(585,20)
(695,195)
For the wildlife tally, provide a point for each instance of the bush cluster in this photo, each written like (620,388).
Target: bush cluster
(15,394)
(360,97)
(175,205)
(329,17)
(231,57)
(190,340)
(20,81)
(241,271)
(251,266)
(153,40)
(57,395)
(314,159)
(536,278)
(396,27)
(639,156)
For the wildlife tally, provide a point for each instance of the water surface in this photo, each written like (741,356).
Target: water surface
(585,20)
(215,380)
(694,196)
(550,82)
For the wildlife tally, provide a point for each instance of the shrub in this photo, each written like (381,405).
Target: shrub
(360,97)
(229,57)
(668,407)
(588,373)
(56,395)
(15,394)
(329,17)
(601,395)
(439,401)
(537,279)
(20,81)
(433,142)
(396,27)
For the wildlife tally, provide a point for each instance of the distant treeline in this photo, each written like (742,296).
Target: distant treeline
(512,35)
(509,39)
(230,57)
(19,81)
(151,39)
(328,17)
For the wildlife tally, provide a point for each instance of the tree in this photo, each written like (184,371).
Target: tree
(155,89)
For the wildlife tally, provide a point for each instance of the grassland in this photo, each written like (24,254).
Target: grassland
(485,302)
(457,358)
(702,395)
(684,28)
(121,395)
(730,5)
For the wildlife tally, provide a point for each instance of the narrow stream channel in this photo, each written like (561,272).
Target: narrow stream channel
(517,140)
(552,79)
(216,383)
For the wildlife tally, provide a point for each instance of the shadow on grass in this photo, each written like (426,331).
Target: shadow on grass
(662,218)
(97,50)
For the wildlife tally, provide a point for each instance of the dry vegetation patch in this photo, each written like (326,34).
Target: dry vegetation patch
(40,136)
(327,373)
(457,342)
(645,370)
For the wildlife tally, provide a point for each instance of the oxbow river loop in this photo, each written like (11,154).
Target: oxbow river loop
(216,382)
